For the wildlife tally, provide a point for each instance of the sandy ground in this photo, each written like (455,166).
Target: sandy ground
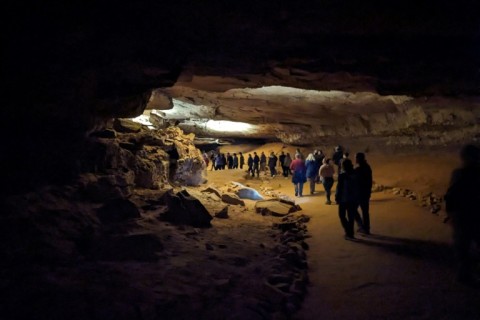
(405,270)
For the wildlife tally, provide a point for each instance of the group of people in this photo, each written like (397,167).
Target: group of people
(220,161)
(353,188)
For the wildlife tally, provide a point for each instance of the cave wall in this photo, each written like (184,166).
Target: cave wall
(70,68)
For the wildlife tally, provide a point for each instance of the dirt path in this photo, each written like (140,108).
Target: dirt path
(405,270)
(402,271)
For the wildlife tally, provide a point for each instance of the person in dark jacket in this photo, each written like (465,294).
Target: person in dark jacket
(464,211)
(229,161)
(224,161)
(337,157)
(250,164)
(312,171)
(241,159)
(272,164)
(319,156)
(346,196)
(365,181)
(286,165)
(235,161)
(212,159)
(281,159)
(263,162)
(256,164)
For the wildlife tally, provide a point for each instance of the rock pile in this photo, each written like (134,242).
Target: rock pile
(430,200)
(287,284)
(143,158)
(226,196)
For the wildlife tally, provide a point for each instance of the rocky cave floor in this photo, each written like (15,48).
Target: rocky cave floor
(120,260)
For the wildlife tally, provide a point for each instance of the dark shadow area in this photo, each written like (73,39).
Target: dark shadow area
(417,249)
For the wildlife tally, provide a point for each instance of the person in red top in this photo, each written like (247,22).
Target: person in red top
(299,174)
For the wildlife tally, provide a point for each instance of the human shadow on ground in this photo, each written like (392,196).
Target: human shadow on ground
(437,252)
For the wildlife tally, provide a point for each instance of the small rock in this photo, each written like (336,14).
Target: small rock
(222,214)
(231,198)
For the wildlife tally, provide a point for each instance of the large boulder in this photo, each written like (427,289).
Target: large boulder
(184,209)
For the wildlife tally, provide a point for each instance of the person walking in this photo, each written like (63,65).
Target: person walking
(346,155)
(311,171)
(224,161)
(272,164)
(319,156)
(299,175)
(463,210)
(337,157)
(256,163)
(299,153)
(263,162)
(250,164)
(235,161)
(229,161)
(346,196)
(326,177)
(281,160)
(218,162)
(242,160)
(212,159)
(286,165)
(365,181)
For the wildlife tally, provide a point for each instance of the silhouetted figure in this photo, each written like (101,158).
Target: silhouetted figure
(319,156)
(235,161)
(229,161)
(286,165)
(212,160)
(218,162)
(256,165)
(299,175)
(263,162)
(224,161)
(250,164)
(337,157)
(281,160)
(326,176)
(242,160)
(346,155)
(462,204)
(365,181)
(312,171)
(347,197)
(272,164)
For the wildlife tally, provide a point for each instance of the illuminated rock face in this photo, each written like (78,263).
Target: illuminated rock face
(306,116)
